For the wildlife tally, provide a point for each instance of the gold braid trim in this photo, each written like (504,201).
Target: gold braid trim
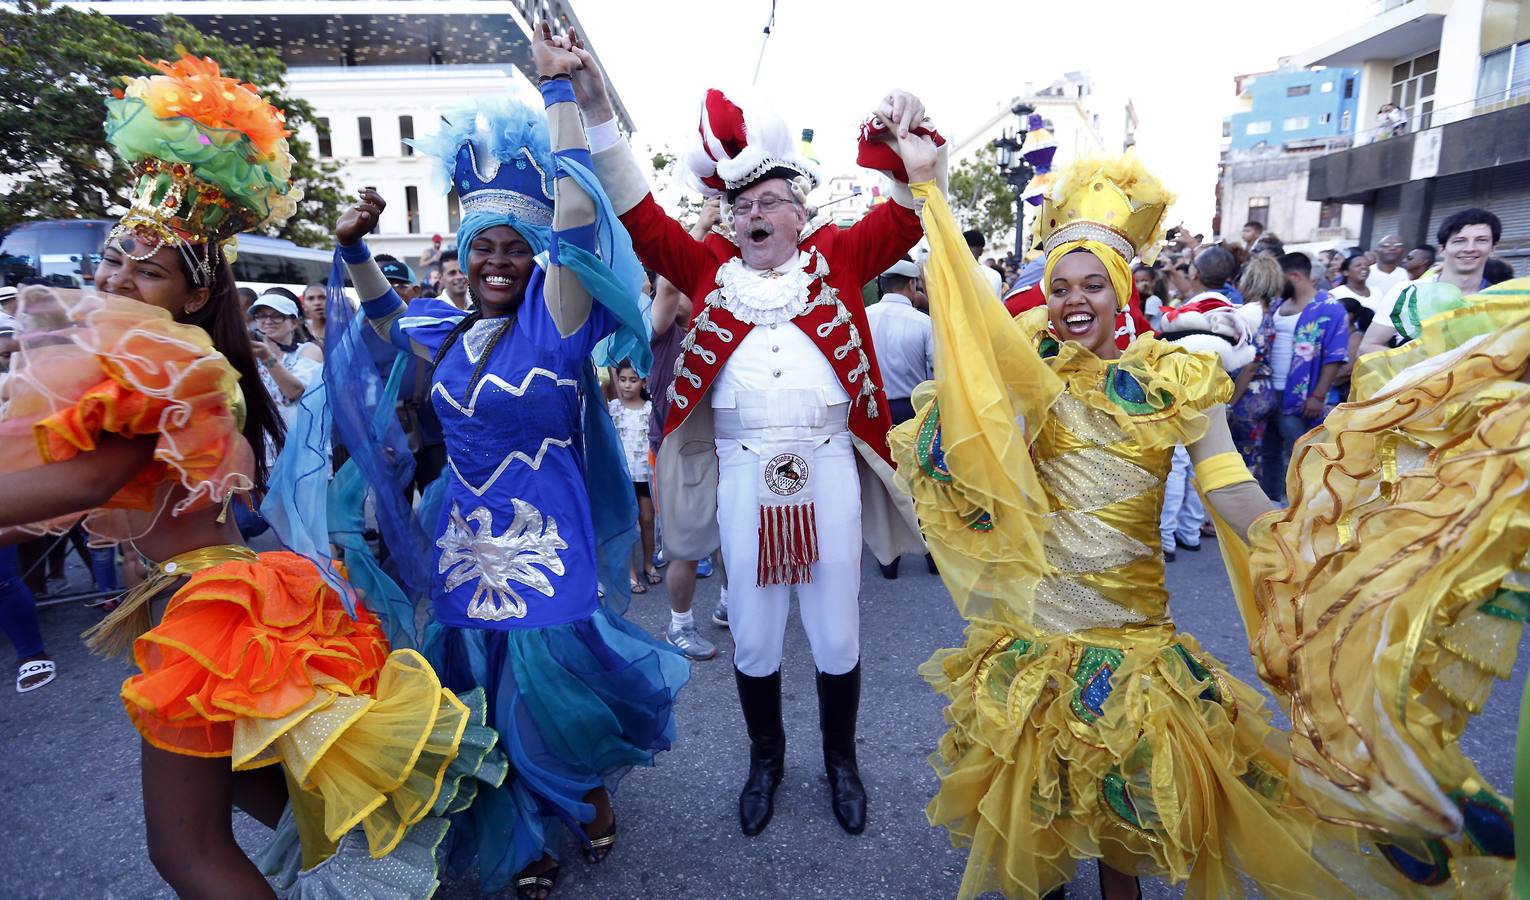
(115,634)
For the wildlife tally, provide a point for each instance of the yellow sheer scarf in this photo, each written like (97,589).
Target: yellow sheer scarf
(990,395)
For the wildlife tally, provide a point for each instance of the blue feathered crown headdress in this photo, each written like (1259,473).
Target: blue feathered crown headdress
(495,154)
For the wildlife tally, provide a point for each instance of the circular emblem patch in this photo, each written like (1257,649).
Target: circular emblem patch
(786,474)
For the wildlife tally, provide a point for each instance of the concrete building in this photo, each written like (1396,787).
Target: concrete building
(376,72)
(1081,122)
(1460,71)
(1275,108)
(1279,121)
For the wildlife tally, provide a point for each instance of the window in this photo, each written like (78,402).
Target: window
(1327,87)
(1349,89)
(1298,90)
(1257,128)
(1345,121)
(1295,123)
(1505,74)
(326,149)
(1259,210)
(263,268)
(1413,88)
(412,208)
(1331,215)
(1325,118)
(453,212)
(1226,128)
(406,133)
(364,127)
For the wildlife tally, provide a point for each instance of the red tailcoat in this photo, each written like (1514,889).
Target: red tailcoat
(854,256)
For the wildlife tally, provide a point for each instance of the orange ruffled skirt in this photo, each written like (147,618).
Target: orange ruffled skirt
(1134,748)
(258,661)
(247,640)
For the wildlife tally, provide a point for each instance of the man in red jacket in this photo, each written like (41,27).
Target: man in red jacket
(775,445)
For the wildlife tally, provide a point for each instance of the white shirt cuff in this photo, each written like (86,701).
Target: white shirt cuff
(603,136)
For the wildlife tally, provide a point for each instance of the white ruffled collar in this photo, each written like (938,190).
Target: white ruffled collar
(765,297)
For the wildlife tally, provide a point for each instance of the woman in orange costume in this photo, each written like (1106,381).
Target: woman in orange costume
(142,409)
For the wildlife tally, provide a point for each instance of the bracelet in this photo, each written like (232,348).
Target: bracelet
(543,79)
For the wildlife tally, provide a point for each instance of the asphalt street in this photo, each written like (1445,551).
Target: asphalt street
(73,817)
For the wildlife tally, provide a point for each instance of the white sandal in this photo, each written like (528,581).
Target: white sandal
(32,668)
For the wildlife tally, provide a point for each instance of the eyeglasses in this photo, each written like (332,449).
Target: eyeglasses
(763,204)
(1390,246)
(268,317)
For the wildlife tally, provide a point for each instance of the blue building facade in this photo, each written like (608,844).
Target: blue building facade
(1295,105)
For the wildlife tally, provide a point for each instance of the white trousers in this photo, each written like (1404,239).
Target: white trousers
(830,604)
(1182,510)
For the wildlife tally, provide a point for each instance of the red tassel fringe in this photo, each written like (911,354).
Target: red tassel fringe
(788,544)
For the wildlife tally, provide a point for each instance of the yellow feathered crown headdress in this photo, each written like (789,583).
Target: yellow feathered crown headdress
(1113,200)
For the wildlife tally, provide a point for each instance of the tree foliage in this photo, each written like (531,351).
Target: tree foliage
(981,198)
(666,168)
(57,65)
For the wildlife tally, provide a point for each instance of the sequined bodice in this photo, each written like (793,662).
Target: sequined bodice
(1105,493)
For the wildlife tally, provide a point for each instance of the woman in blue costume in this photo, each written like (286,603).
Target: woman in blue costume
(578,694)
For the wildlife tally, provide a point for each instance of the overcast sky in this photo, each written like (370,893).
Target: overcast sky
(828,62)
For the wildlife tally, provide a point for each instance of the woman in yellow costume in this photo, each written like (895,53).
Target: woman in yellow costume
(1082,724)
(1393,591)
(141,408)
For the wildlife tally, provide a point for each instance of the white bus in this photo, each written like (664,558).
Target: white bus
(65,251)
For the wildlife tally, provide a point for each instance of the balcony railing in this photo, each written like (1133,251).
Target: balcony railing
(1444,115)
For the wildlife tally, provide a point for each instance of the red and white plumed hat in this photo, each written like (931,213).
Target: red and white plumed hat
(742,140)
(1209,323)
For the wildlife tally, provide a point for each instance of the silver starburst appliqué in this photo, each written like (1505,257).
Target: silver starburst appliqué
(470,550)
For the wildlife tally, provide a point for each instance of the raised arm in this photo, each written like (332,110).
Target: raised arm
(381,304)
(885,234)
(667,297)
(661,242)
(568,302)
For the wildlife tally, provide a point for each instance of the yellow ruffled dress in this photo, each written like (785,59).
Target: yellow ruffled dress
(1395,588)
(1082,723)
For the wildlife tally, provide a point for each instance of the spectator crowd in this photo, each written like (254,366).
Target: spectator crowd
(1307,317)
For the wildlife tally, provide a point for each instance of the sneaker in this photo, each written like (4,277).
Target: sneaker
(659,561)
(690,642)
(720,614)
(1186,545)
(1168,556)
(704,567)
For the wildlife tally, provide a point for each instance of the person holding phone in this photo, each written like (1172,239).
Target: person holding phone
(289,363)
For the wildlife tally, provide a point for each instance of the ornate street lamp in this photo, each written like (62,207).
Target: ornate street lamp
(1013,166)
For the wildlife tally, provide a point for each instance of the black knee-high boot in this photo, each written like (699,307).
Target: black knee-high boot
(761,702)
(839,699)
